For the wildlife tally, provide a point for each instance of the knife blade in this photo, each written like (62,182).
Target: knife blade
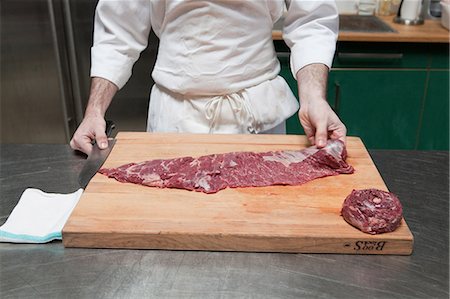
(96,159)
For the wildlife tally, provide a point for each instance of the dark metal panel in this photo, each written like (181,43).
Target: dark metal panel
(45,72)
(129,107)
(33,103)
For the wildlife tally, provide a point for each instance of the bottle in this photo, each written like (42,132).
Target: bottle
(395,5)
(384,7)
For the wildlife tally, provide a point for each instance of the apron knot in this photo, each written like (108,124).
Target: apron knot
(239,104)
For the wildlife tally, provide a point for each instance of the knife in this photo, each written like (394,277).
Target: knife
(97,157)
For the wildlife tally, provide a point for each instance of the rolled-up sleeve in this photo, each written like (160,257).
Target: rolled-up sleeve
(121,30)
(310,31)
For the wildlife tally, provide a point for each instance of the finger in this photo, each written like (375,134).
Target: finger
(321,135)
(340,134)
(84,145)
(73,145)
(101,139)
(79,146)
(309,134)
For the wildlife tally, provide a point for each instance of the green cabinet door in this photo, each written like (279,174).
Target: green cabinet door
(434,132)
(380,106)
(292,124)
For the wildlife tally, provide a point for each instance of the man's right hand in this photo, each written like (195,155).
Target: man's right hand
(91,128)
(93,125)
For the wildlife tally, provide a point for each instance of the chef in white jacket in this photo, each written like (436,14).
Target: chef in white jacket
(216,70)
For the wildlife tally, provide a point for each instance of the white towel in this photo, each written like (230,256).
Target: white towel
(39,217)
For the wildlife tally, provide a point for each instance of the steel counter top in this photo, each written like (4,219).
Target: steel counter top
(420,179)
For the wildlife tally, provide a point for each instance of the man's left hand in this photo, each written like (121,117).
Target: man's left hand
(320,123)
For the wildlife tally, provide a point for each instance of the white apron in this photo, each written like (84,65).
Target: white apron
(252,110)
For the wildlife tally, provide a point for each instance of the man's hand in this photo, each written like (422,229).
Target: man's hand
(91,128)
(93,125)
(320,123)
(317,118)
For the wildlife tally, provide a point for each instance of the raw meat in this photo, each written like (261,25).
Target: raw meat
(373,211)
(212,173)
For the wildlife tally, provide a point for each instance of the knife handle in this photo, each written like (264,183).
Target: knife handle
(110,125)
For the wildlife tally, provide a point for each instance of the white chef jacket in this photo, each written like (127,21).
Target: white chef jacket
(216,69)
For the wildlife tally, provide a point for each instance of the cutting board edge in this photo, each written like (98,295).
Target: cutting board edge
(401,233)
(350,245)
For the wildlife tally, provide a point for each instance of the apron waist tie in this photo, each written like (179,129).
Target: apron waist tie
(240,106)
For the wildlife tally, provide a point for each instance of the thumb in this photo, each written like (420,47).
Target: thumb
(321,135)
(101,139)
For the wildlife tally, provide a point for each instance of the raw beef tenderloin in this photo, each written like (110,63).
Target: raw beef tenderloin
(373,211)
(212,173)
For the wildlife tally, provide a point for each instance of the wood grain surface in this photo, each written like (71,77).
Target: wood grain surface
(302,218)
(430,32)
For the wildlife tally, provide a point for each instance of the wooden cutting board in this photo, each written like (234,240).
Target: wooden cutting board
(302,218)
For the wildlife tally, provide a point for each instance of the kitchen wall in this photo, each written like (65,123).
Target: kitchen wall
(347,6)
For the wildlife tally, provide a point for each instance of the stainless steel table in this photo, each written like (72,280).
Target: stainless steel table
(421,179)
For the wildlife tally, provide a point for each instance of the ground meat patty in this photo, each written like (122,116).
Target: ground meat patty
(373,211)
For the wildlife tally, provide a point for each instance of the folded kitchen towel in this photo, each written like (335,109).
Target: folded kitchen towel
(38,217)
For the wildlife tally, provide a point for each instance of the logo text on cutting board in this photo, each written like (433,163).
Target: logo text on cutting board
(367,245)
